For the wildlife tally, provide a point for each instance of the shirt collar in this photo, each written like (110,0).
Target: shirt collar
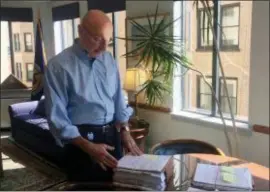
(82,53)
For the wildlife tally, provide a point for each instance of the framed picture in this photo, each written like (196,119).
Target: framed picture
(131,31)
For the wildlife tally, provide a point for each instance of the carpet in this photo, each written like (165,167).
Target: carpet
(25,171)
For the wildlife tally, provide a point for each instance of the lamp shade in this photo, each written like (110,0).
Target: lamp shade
(134,79)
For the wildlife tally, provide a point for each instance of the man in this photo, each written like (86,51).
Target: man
(85,106)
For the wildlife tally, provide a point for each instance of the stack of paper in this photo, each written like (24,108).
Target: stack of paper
(145,172)
(212,177)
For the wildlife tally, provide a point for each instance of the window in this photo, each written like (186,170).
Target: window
(117,46)
(204,100)
(11,56)
(191,94)
(229,28)
(232,90)
(65,31)
(28,42)
(205,35)
(120,45)
(17,46)
(19,71)
(29,71)
(204,94)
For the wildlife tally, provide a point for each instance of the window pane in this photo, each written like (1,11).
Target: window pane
(57,37)
(77,21)
(196,94)
(204,88)
(30,69)
(5,51)
(230,36)
(236,64)
(121,44)
(225,105)
(13,60)
(28,41)
(68,33)
(204,19)
(205,101)
(65,32)
(110,47)
(206,37)
(230,16)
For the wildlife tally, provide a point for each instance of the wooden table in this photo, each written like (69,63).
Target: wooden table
(184,168)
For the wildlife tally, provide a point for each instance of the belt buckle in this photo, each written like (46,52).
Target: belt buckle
(104,128)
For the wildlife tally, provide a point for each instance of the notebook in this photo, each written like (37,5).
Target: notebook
(211,177)
(145,172)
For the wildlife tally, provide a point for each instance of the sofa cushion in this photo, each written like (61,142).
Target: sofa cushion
(35,125)
(40,110)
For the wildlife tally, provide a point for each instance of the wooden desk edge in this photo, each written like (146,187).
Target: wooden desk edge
(261,129)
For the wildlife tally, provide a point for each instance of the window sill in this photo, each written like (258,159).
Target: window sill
(225,49)
(211,122)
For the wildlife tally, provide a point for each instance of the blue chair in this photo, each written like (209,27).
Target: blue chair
(185,146)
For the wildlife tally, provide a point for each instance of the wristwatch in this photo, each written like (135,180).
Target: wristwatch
(125,128)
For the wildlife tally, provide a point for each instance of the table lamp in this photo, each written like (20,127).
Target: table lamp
(134,79)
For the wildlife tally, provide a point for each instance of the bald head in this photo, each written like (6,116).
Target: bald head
(95,32)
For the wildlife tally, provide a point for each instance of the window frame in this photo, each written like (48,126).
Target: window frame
(25,44)
(198,89)
(12,15)
(222,47)
(17,44)
(28,78)
(181,106)
(18,70)
(230,47)
(62,30)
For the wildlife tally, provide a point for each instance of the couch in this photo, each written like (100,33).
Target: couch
(29,128)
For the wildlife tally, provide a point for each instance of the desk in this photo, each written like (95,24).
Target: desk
(183,174)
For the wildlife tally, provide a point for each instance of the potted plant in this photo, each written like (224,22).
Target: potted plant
(156,54)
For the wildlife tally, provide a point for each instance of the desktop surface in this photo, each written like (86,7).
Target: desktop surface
(184,169)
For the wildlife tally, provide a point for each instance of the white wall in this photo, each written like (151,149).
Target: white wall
(259,68)
(253,146)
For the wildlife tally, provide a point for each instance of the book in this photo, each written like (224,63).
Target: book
(145,172)
(223,178)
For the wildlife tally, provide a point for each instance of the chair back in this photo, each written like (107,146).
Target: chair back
(184,146)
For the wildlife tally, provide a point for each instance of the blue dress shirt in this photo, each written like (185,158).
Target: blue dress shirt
(79,90)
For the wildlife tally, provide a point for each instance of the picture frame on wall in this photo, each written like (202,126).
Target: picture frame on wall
(131,31)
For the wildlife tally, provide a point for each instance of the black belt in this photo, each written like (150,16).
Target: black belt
(104,127)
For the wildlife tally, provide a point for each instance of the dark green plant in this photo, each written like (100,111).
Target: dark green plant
(156,54)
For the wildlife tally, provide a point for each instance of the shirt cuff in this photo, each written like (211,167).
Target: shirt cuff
(69,133)
(124,115)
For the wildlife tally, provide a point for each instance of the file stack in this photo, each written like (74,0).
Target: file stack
(223,178)
(145,172)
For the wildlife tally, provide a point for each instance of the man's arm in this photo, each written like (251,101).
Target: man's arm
(56,100)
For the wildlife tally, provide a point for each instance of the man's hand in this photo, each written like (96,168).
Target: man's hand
(130,144)
(99,152)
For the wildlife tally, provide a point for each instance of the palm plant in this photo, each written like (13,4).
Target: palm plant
(157,55)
